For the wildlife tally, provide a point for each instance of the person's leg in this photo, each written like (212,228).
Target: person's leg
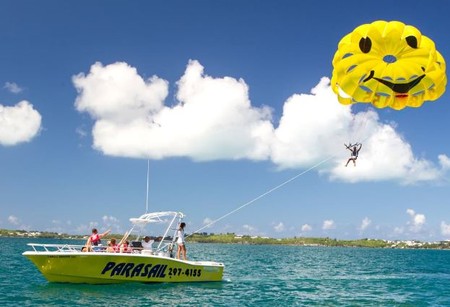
(183,249)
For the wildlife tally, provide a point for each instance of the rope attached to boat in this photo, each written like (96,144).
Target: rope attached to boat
(263,195)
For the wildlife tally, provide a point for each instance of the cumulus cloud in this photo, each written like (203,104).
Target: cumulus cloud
(365,223)
(279,227)
(110,220)
(328,224)
(13,87)
(445,229)
(311,128)
(19,123)
(306,228)
(207,221)
(417,220)
(249,228)
(213,119)
(14,220)
(399,230)
(444,161)
(112,223)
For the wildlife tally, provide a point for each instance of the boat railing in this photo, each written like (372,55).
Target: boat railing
(160,248)
(39,247)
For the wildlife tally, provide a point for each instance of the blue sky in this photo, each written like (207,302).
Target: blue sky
(228,99)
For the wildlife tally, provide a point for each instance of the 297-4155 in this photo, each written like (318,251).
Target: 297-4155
(186,272)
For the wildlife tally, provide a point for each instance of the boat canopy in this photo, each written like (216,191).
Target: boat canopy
(169,218)
(156,217)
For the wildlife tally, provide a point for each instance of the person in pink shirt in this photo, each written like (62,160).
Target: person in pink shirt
(95,238)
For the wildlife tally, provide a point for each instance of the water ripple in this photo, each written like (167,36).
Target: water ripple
(262,275)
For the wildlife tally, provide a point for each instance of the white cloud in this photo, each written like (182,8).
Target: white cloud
(314,127)
(249,228)
(207,221)
(19,123)
(311,128)
(110,220)
(399,230)
(365,223)
(14,220)
(445,229)
(328,224)
(444,161)
(279,227)
(213,119)
(306,228)
(410,212)
(13,87)
(417,220)
(81,132)
(112,223)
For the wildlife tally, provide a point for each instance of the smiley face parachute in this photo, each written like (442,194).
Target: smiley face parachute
(388,64)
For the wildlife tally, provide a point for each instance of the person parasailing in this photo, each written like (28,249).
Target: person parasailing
(355,148)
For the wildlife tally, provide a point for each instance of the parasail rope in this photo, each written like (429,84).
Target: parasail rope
(355,135)
(263,195)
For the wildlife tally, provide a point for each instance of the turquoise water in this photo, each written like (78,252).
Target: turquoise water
(262,275)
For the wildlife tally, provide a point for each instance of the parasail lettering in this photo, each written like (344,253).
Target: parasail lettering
(132,270)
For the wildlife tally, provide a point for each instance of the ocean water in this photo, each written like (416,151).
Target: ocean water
(261,275)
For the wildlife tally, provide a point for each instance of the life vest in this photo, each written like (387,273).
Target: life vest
(95,239)
(125,248)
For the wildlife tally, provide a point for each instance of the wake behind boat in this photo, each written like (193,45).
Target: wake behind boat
(99,265)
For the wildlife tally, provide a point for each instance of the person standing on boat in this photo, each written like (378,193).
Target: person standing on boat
(180,241)
(95,238)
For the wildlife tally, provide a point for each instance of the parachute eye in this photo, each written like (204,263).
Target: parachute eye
(365,44)
(412,41)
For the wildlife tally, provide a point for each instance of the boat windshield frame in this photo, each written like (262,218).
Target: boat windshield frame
(170,217)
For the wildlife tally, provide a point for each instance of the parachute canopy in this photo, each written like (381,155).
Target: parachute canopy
(388,64)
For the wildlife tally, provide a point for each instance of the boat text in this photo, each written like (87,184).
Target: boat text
(187,272)
(132,270)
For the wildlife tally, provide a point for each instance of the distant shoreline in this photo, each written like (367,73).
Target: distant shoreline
(231,238)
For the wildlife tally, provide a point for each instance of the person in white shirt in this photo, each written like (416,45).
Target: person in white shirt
(147,243)
(180,241)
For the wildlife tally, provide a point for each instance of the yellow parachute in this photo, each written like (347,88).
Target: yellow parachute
(388,64)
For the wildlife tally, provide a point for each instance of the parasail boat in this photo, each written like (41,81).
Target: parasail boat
(100,265)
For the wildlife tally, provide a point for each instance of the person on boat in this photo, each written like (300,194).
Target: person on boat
(95,238)
(112,246)
(354,149)
(125,247)
(147,243)
(180,242)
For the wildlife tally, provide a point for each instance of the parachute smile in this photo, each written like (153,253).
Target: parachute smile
(400,88)
(388,64)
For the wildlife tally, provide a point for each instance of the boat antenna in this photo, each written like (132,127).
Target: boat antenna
(148,175)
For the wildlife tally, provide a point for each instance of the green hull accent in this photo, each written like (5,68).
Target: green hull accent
(108,268)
